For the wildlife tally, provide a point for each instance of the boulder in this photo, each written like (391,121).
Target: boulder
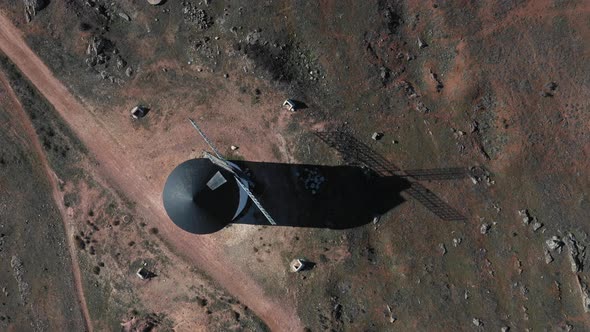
(32,7)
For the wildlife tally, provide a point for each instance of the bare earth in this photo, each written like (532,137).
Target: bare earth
(29,131)
(115,165)
(483,107)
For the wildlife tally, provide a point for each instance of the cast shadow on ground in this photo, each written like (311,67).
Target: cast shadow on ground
(355,152)
(334,197)
(298,104)
(301,195)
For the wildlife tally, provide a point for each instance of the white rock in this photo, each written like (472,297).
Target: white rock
(484,228)
(548,257)
(537,225)
(421,43)
(554,243)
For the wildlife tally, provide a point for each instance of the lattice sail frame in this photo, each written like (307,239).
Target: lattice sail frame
(218,160)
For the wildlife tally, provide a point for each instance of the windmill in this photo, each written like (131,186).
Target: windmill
(241,179)
(204,195)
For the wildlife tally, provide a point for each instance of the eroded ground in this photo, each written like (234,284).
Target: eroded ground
(501,86)
(38,288)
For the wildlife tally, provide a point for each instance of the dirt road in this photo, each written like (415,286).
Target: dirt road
(116,166)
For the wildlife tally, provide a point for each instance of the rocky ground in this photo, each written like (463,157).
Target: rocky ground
(38,290)
(481,106)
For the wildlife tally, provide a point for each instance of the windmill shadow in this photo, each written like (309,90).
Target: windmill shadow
(206,194)
(355,152)
(334,197)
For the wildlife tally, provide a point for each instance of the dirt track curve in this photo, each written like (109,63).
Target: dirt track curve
(19,114)
(123,172)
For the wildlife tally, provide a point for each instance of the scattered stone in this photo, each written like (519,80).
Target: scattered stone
(96,46)
(292,105)
(525,314)
(145,274)
(129,71)
(526,218)
(408,89)
(457,241)
(19,272)
(391,318)
(536,226)
(197,16)
(505,329)
(124,16)
(478,174)
(477,322)
(300,264)
(421,43)
(554,243)
(457,133)
(376,219)
(546,94)
(139,111)
(225,75)
(436,79)
(518,266)
(548,257)
(32,7)
(420,107)
(385,74)
(551,86)
(549,89)
(576,251)
(443,249)
(377,136)
(312,179)
(233,148)
(154,2)
(585,293)
(474,127)
(484,229)
(121,63)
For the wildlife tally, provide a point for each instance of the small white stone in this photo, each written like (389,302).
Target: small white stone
(484,228)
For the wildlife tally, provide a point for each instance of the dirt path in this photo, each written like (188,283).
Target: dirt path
(125,173)
(19,114)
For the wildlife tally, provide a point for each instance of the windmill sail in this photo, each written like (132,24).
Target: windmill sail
(218,160)
(205,138)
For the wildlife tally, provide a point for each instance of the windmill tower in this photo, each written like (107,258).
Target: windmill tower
(204,195)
